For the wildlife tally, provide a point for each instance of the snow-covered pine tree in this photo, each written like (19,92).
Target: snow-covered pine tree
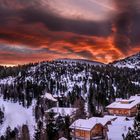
(134,134)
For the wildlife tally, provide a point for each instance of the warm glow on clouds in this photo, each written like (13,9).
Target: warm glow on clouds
(32,31)
(85,47)
(80,9)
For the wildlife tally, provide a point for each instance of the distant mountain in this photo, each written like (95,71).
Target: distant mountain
(81,61)
(129,62)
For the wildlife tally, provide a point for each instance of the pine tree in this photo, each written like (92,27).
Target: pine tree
(134,134)
(25,133)
(1,116)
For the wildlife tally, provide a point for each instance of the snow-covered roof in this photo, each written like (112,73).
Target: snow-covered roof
(49,97)
(125,104)
(118,127)
(88,124)
(62,138)
(63,111)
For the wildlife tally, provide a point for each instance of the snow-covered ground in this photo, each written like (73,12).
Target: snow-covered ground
(16,115)
(118,127)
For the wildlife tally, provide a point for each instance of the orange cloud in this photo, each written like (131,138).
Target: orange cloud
(30,31)
(67,45)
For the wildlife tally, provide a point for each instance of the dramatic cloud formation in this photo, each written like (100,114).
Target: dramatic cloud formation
(102,30)
(125,24)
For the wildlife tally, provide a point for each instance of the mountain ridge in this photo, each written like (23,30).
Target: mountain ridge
(132,61)
(90,62)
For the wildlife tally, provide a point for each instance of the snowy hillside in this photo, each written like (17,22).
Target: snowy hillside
(67,77)
(68,84)
(129,62)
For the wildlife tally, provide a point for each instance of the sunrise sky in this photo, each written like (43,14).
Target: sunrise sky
(38,30)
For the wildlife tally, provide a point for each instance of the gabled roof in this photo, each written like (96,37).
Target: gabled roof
(88,124)
(49,97)
(63,111)
(62,138)
(132,102)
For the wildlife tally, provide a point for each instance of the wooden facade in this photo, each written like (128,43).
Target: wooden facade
(124,107)
(123,112)
(97,132)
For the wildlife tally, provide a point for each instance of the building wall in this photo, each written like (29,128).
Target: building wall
(82,134)
(124,112)
(98,130)
(134,111)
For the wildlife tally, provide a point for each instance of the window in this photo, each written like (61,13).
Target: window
(82,133)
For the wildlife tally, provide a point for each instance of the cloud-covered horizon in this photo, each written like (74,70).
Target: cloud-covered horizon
(100,30)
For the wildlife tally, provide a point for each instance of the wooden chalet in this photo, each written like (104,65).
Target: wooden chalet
(124,107)
(94,128)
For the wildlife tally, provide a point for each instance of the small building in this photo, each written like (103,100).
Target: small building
(63,111)
(62,138)
(90,129)
(49,97)
(124,107)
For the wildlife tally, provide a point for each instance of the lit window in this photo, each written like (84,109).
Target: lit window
(82,133)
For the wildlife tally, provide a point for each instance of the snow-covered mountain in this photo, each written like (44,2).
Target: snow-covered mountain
(82,61)
(129,62)
(72,83)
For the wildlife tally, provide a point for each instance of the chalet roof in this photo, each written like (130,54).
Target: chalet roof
(125,104)
(49,97)
(62,138)
(63,111)
(88,124)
